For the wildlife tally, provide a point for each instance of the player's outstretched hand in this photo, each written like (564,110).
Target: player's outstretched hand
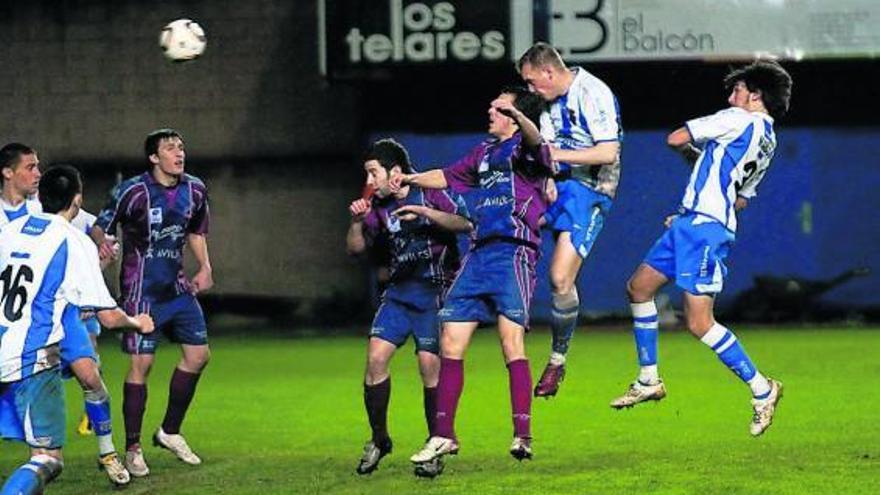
(505,107)
(359,209)
(145,323)
(668,221)
(202,281)
(409,212)
(551,194)
(109,249)
(396,182)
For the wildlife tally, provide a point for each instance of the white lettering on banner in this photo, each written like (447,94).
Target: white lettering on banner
(420,33)
(635,39)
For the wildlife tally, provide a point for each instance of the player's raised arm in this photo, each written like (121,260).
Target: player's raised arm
(355,240)
(680,140)
(447,221)
(604,153)
(432,179)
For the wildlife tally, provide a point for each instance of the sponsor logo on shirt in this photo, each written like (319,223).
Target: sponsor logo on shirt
(155,215)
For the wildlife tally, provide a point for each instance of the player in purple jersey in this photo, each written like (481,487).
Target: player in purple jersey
(21,177)
(583,124)
(159,212)
(420,225)
(737,146)
(507,175)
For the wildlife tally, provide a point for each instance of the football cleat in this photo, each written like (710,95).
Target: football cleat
(435,448)
(115,470)
(373,453)
(135,463)
(639,392)
(429,469)
(765,409)
(176,444)
(521,448)
(84,428)
(548,385)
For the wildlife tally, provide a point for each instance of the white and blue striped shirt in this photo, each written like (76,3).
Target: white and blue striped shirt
(587,114)
(737,148)
(48,271)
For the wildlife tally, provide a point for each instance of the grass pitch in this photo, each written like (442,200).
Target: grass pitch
(281,415)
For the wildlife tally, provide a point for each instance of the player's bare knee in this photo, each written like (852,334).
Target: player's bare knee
(698,325)
(636,290)
(561,282)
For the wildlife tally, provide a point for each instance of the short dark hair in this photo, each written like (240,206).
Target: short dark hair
(58,186)
(389,153)
(11,154)
(151,144)
(767,77)
(541,54)
(530,104)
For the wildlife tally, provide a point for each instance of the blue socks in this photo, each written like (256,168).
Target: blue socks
(645,333)
(731,353)
(33,476)
(98,411)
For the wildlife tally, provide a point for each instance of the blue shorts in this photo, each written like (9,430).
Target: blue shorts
(75,344)
(581,211)
(494,279)
(93,326)
(396,319)
(32,410)
(180,319)
(693,254)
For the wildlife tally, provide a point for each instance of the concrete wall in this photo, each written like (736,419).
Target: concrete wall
(87,80)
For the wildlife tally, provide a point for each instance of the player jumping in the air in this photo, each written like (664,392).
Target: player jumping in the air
(737,146)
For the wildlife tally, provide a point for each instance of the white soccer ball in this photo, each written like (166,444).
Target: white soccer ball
(183,40)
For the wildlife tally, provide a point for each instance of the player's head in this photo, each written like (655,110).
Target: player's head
(530,104)
(20,169)
(61,189)
(763,84)
(165,150)
(384,159)
(542,69)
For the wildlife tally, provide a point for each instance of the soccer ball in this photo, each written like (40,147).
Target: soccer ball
(183,40)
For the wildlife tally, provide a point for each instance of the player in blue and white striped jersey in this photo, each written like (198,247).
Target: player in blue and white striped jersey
(19,164)
(583,124)
(49,272)
(737,146)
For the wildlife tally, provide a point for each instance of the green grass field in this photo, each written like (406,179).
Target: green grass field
(280,415)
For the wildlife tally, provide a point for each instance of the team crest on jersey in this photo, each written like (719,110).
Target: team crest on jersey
(393,223)
(155,215)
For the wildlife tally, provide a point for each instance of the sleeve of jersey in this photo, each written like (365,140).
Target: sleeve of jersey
(462,175)
(201,217)
(711,126)
(600,113)
(85,285)
(109,215)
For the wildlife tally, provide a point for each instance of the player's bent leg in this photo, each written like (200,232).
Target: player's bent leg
(520,382)
(377,394)
(181,391)
(641,287)
(134,400)
(33,476)
(766,393)
(429,368)
(564,268)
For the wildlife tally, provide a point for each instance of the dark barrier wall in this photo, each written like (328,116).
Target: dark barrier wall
(815,215)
